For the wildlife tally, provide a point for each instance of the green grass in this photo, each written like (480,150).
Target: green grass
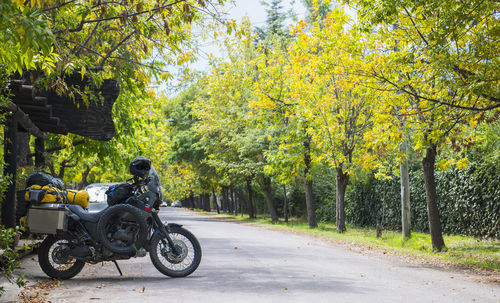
(460,250)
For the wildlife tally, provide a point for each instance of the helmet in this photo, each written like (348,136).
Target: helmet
(140,166)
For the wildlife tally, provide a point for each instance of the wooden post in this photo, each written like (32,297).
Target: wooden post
(285,204)
(11,158)
(405,193)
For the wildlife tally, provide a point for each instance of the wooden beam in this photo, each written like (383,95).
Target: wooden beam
(25,121)
(52,128)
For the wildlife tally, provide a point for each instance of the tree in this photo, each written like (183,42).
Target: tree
(317,10)
(275,18)
(273,104)
(124,39)
(332,96)
(235,146)
(130,41)
(445,70)
(451,44)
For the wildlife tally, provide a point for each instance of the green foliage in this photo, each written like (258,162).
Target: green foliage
(25,38)
(9,257)
(274,22)
(448,50)
(469,200)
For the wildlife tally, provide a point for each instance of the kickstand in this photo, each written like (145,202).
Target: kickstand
(118,267)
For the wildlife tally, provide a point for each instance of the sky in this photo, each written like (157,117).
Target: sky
(255,11)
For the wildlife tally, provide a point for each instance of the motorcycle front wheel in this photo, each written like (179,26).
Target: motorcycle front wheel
(180,264)
(54,260)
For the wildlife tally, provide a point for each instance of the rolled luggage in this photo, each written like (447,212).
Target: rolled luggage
(78,197)
(50,194)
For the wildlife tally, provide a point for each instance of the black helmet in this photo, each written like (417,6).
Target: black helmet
(140,166)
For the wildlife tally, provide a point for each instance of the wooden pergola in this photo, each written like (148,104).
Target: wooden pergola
(34,112)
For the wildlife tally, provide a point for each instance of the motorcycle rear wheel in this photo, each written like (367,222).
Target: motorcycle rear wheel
(53,260)
(176,265)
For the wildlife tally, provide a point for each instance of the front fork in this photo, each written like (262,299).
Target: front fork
(164,232)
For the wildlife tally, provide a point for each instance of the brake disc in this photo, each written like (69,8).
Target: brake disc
(60,254)
(181,247)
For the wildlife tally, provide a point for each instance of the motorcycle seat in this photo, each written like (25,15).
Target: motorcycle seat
(85,215)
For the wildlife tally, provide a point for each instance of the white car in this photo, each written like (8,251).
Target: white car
(97,196)
(177,204)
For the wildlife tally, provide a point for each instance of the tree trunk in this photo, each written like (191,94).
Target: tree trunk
(405,195)
(215,201)
(311,209)
(234,204)
(191,201)
(342,181)
(285,204)
(251,213)
(198,202)
(205,201)
(428,164)
(225,199)
(39,152)
(266,189)
(23,149)
(85,174)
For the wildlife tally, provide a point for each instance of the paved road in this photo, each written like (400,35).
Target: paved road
(243,263)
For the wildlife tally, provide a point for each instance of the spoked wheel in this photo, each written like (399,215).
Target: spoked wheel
(54,259)
(179,264)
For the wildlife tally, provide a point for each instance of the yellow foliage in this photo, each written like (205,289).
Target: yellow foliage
(462,163)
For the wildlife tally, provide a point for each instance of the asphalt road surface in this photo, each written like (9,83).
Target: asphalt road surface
(243,263)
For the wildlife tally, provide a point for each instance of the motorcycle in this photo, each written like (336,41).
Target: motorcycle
(129,227)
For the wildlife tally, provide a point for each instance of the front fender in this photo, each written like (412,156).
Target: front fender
(173,225)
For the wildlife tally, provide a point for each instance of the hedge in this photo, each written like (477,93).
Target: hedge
(469,200)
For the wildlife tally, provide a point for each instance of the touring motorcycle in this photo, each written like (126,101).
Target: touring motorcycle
(129,227)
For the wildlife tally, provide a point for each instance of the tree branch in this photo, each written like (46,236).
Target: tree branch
(83,22)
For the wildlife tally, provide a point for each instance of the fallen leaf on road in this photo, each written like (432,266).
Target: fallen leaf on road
(34,293)
(236,247)
(452,277)
(285,288)
(238,277)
